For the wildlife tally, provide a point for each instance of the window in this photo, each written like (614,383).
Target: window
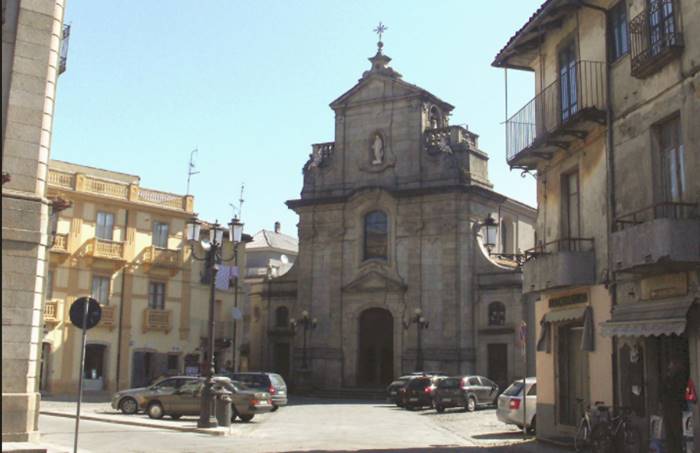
(570,208)
(672,160)
(487,382)
(105,226)
(568,82)
(49,285)
(376,235)
(156,295)
(662,26)
(474,381)
(282,317)
(100,289)
(497,314)
(160,234)
(504,237)
(532,391)
(173,362)
(619,38)
(94,361)
(435,118)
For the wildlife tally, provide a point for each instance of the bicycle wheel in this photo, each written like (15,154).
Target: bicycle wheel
(582,440)
(601,439)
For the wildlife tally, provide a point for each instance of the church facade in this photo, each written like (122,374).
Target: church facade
(389,231)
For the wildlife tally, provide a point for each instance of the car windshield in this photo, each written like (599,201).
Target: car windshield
(514,389)
(419,383)
(238,385)
(277,380)
(253,380)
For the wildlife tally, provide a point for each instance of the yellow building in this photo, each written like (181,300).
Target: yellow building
(613,139)
(125,246)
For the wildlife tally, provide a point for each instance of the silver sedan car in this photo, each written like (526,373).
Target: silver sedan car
(511,409)
(131,401)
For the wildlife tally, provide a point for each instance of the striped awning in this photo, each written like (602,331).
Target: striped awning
(566,314)
(649,318)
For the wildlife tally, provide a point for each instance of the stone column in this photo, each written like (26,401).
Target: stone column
(30,43)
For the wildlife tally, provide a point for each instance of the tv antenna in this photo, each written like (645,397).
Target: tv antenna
(190,169)
(240,205)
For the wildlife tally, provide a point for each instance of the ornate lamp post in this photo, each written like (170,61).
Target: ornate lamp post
(421,324)
(236,230)
(212,258)
(307,324)
(491,227)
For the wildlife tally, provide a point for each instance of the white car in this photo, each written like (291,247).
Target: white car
(510,404)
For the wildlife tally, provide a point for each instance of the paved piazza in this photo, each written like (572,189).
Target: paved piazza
(304,425)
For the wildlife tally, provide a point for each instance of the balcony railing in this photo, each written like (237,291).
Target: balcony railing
(51,311)
(655,37)
(560,245)
(103,248)
(108,318)
(60,243)
(155,320)
(319,153)
(664,210)
(118,189)
(447,139)
(161,257)
(556,106)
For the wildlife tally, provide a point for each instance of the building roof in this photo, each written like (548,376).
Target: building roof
(70,167)
(548,15)
(267,239)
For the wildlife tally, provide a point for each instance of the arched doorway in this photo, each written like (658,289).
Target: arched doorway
(375,357)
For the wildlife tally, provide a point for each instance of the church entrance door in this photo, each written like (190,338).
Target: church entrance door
(376,348)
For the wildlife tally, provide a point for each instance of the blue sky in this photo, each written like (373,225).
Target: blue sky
(249,83)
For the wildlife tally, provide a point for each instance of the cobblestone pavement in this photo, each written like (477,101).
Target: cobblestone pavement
(305,425)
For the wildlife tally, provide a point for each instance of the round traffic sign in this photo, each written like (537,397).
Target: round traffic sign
(77,313)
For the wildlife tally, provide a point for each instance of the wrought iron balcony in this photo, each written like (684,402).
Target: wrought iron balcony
(562,263)
(560,114)
(661,237)
(155,320)
(655,37)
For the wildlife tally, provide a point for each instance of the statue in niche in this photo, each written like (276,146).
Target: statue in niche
(378,150)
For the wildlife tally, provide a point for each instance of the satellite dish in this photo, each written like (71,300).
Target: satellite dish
(284,259)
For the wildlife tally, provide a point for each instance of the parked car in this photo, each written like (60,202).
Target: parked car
(131,401)
(395,389)
(418,392)
(186,400)
(267,382)
(511,409)
(468,392)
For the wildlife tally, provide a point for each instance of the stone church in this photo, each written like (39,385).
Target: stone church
(389,227)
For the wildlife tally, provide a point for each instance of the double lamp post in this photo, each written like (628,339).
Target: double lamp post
(213,257)
(306,323)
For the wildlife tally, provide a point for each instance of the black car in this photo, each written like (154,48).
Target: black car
(418,392)
(468,392)
(395,389)
(271,383)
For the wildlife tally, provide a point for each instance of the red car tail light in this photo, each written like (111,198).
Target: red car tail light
(514,404)
(271,390)
(427,390)
(254,402)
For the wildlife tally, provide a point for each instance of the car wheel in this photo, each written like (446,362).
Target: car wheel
(175,416)
(532,429)
(471,404)
(274,408)
(439,409)
(247,417)
(155,410)
(128,406)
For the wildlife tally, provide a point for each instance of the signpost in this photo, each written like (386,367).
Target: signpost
(85,313)
(523,343)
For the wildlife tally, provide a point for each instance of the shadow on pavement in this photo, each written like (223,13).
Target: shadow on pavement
(505,435)
(87,398)
(310,400)
(530,446)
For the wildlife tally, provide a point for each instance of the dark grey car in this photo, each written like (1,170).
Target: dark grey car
(468,392)
(271,383)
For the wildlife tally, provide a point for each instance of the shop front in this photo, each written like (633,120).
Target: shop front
(657,353)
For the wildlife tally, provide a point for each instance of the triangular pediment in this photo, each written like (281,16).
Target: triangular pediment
(375,280)
(379,86)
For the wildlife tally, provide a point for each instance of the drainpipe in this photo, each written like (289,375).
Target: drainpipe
(121,306)
(610,185)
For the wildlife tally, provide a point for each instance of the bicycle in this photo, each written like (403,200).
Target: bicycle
(616,432)
(584,430)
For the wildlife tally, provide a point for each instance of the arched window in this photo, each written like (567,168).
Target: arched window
(435,118)
(282,317)
(376,235)
(497,314)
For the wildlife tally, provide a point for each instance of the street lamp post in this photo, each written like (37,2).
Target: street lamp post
(212,258)
(237,233)
(421,324)
(307,324)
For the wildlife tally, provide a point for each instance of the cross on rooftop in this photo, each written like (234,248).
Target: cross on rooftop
(381,28)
